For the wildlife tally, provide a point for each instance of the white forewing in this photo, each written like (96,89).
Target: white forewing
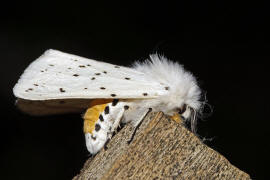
(58,75)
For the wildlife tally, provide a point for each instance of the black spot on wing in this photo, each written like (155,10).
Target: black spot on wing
(113,95)
(88,65)
(35,84)
(82,66)
(102,88)
(93,78)
(107,110)
(145,94)
(51,65)
(114,102)
(97,74)
(76,75)
(85,88)
(61,90)
(127,78)
(167,88)
(105,72)
(126,107)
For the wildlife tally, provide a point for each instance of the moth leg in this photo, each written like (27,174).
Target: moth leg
(117,119)
(137,123)
(177,118)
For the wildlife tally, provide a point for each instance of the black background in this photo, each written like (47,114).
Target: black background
(226,46)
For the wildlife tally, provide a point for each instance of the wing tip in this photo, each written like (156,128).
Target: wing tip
(15,91)
(51,52)
(19,94)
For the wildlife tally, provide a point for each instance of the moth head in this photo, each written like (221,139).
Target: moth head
(186,114)
(183,97)
(184,111)
(183,101)
(181,113)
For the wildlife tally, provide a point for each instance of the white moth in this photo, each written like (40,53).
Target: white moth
(58,82)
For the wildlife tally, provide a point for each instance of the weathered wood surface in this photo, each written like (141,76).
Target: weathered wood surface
(161,149)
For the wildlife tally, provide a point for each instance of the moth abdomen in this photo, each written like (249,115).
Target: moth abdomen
(100,121)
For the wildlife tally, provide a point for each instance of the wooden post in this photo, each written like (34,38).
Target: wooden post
(161,149)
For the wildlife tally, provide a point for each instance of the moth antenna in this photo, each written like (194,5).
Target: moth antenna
(206,109)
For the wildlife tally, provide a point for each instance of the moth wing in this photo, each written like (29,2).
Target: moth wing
(56,75)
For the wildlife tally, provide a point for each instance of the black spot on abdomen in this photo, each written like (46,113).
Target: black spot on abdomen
(97,127)
(101,118)
(107,110)
(94,138)
(115,101)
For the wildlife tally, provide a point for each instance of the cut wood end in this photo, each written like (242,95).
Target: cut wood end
(161,149)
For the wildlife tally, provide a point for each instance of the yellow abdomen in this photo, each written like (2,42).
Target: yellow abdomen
(92,114)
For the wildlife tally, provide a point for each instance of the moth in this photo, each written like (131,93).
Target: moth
(59,82)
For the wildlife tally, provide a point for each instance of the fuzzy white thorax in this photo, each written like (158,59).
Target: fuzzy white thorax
(182,85)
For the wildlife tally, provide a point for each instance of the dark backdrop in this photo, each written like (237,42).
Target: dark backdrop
(226,45)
